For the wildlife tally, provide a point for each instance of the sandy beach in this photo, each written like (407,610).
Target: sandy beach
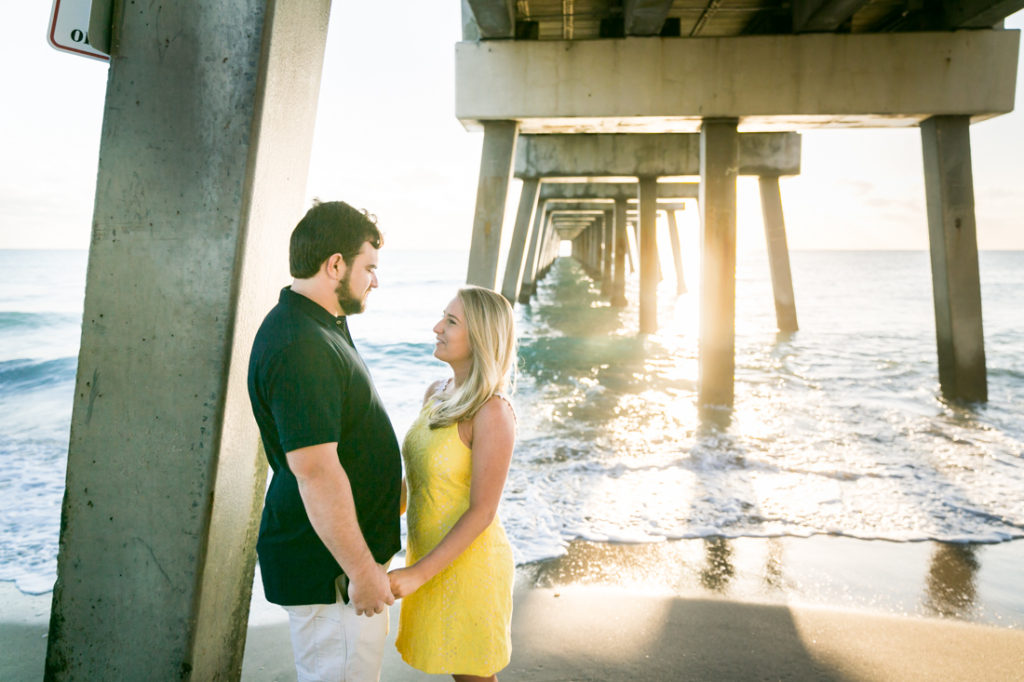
(830,609)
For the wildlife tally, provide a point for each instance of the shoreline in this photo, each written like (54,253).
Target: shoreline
(822,608)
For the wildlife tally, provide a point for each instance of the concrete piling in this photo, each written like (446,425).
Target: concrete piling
(618,296)
(204,153)
(956,287)
(496,159)
(520,236)
(607,239)
(648,247)
(529,285)
(778,254)
(677,252)
(719,163)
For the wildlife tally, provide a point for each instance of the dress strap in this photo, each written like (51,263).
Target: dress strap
(510,405)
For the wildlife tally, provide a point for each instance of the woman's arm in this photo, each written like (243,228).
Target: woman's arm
(494,426)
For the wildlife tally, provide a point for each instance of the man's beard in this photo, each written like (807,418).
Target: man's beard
(350,305)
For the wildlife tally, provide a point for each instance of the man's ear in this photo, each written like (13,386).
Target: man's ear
(335,266)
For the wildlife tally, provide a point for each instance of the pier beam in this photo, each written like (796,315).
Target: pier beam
(496,159)
(520,236)
(719,162)
(949,190)
(677,251)
(204,153)
(647,244)
(621,247)
(778,254)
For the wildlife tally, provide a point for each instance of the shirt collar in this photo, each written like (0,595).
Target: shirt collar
(313,309)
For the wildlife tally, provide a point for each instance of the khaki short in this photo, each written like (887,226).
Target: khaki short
(332,644)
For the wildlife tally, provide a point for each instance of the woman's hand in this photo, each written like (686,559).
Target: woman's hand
(405,581)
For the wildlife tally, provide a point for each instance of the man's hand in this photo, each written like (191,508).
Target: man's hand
(405,581)
(370,593)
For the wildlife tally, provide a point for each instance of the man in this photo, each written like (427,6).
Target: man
(330,523)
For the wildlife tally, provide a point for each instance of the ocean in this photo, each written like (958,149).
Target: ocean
(838,430)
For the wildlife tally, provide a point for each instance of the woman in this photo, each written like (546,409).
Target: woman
(457,585)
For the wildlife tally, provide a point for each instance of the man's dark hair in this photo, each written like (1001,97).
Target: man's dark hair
(328,228)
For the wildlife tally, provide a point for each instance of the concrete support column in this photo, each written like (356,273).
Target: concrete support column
(635,225)
(554,245)
(204,153)
(949,189)
(607,239)
(496,160)
(719,163)
(588,249)
(647,208)
(778,253)
(529,284)
(677,251)
(549,242)
(621,247)
(549,248)
(520,235)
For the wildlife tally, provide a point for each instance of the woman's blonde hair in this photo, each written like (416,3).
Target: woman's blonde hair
(492,341)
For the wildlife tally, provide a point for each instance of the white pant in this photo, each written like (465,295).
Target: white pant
(332,644)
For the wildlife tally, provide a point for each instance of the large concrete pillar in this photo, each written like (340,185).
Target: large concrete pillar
(677,251)
(621,247)
(949,189)
(496,160)
(647,210)
(608,247)
(204,153)
(529,284)
(778,254)
(520,235)
(719,164)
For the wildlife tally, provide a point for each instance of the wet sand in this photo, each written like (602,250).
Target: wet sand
(749,609)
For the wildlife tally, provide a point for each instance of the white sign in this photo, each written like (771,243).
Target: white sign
(69,28)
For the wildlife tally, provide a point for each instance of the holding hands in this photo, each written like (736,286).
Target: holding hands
(370,594)
(405,581)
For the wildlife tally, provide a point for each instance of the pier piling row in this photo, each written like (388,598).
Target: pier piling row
(565,86)
(648,157)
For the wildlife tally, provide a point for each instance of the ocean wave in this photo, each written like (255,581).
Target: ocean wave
(13,322)
(21,375)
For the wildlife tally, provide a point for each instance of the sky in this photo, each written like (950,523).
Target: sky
(387,140)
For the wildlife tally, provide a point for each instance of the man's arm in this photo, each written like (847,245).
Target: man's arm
(327,496)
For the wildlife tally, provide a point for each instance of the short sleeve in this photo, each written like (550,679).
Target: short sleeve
(306,389)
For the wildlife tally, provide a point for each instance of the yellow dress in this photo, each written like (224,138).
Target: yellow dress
(458,622)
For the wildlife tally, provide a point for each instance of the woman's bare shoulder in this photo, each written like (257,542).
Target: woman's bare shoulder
(498,409)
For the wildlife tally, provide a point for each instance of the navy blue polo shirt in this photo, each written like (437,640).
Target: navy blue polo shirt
(307,386)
